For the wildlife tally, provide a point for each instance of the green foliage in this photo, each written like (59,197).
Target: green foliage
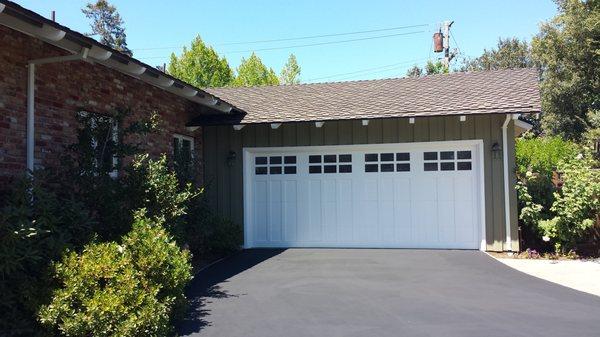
(414,72)
(577,204)
(200,65)
(88,174)
(541,155)
(36,226)
(509,53)
(209,235)
(107,24)
(568,50)
(531,212)
(252,72)
(536,160)
(151,185)
(120,290)
(432,68)
(291,71)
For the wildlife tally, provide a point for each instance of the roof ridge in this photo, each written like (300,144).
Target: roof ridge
(454,74)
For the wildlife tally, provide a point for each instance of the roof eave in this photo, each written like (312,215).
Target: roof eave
(28,22)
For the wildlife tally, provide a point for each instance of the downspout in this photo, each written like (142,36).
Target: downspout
(31,99)
(506,181)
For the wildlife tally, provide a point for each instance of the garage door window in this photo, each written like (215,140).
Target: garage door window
(447,161)
(275,165)
(387,162)
(330,163)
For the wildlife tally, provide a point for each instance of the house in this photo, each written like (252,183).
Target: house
(73,73)
(409,163)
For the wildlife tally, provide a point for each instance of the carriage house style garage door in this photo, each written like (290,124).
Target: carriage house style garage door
(410,195)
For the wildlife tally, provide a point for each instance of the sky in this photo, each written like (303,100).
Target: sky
(156,28)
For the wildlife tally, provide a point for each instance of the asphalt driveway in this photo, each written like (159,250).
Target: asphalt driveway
(380,292)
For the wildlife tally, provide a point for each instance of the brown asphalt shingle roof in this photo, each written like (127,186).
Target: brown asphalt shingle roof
(485,92)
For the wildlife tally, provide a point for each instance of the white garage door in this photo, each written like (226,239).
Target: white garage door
(416,195)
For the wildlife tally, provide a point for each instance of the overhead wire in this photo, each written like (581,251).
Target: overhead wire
(359,72)
(296,38)
(309,44)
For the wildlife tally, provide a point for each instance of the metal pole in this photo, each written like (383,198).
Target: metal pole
(30,116)
(447,56)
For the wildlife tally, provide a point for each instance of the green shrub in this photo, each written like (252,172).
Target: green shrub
(130,289)
(542,155)
(209,235)
(152,185)
(536,160)
(36,226)
(577,204)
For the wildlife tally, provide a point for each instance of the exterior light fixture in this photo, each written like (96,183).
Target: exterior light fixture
(231,158)
(496,150)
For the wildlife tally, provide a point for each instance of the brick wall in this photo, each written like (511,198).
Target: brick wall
(62,90)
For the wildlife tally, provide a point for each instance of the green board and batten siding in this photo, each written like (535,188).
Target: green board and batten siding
(224,185)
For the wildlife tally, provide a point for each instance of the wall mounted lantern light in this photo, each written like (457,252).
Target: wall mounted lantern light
(496,151)
(231,158)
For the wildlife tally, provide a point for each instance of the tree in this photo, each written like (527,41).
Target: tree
(438,67)
(509,53)
(252,72)
(414,72)
(107,24)
(568,51)
(291,71)
(431,68)
(200,65)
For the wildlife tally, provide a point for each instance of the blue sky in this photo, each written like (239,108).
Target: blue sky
(167,26)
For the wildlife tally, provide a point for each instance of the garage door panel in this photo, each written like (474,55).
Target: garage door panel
(424,188)
(425,221)
(402,189)
(465,188)
(395,202)
(329,209)
(260,210)
(386,220)
(345,228)
(402,222)
(447,226)
(275,211)
(303,211)
(315,232)
(465,222)
(446,189)
(290,202)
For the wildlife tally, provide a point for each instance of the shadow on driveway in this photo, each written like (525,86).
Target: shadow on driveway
(206,285)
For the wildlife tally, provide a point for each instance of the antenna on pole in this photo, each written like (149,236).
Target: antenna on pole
(441,42)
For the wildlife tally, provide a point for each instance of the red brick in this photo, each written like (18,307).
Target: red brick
(62,90)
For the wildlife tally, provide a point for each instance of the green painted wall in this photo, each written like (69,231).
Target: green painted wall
(224,185)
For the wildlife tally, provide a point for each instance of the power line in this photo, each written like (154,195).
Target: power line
(367,70)
(297,38)
(326,43)
(307,45)
(368,74)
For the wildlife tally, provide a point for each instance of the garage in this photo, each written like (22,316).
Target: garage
(417,195)
(393,163)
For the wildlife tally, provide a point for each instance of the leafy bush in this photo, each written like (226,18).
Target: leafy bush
(64,208)
(209,235)
(536,160)
(120,290)
(150,184)
(577,204)
(36,226)
(542,155)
